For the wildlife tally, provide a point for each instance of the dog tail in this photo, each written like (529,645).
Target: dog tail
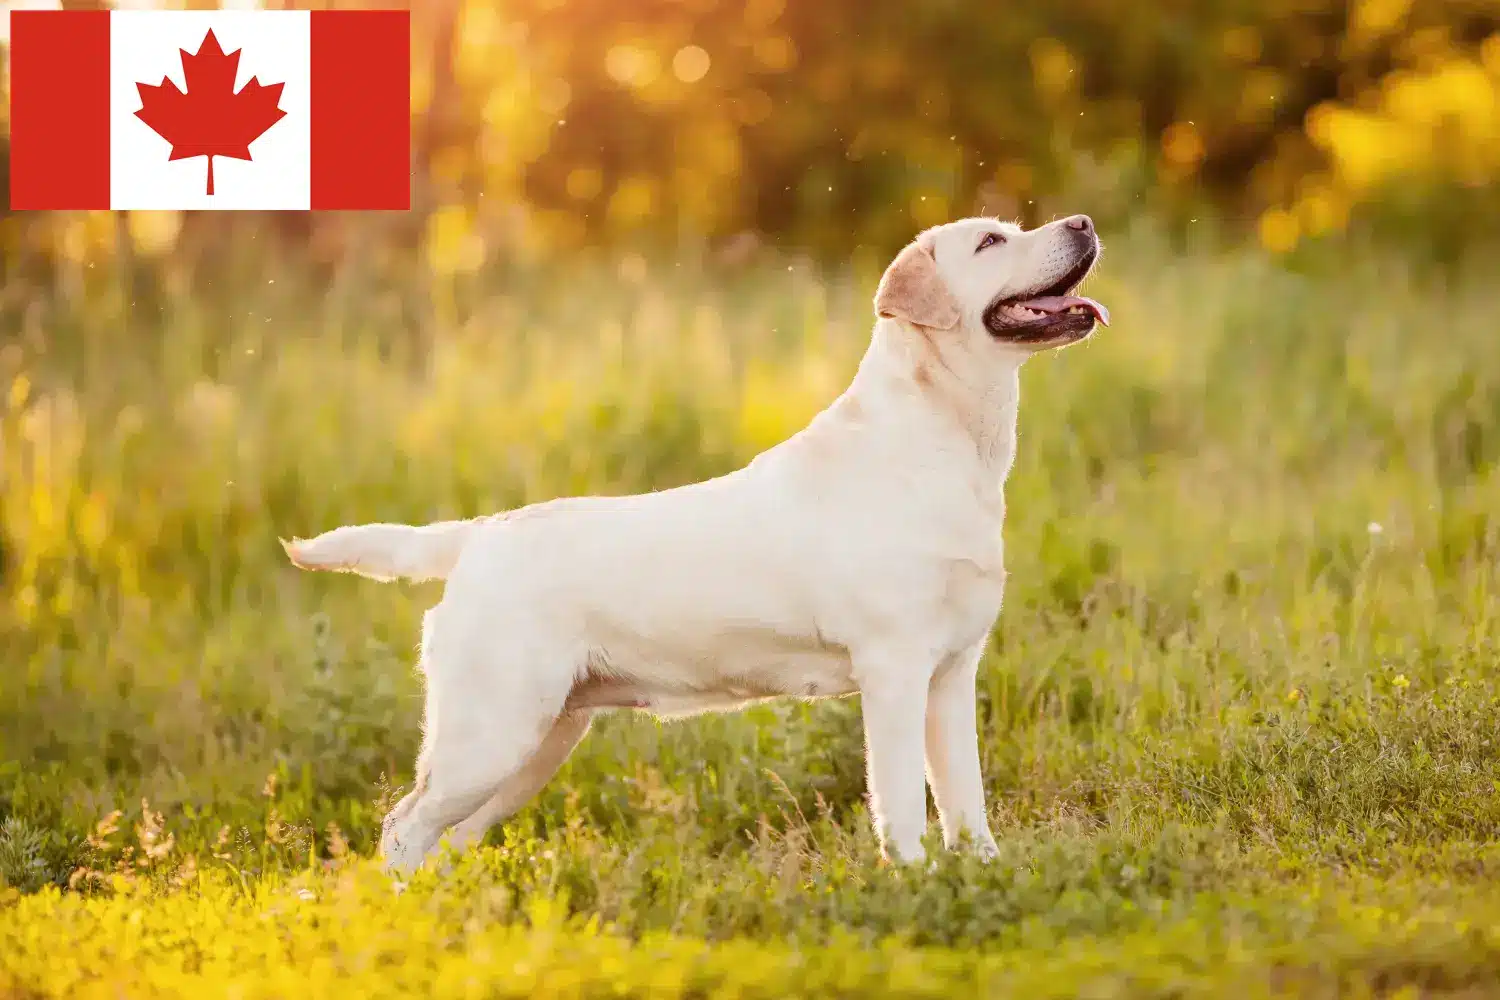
(385,551)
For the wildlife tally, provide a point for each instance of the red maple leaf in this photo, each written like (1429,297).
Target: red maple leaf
(210,119)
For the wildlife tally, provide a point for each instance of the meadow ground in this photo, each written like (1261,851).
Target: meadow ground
(1238,718)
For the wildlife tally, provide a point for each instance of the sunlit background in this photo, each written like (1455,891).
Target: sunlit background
(545,125)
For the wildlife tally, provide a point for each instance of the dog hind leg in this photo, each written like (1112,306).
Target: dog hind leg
(489,713)
(523,785)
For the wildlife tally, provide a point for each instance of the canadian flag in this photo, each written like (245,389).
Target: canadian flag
(192,109)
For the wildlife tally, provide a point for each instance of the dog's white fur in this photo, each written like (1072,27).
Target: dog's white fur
(862,555)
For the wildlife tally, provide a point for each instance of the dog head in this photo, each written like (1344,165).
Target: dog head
(990,281)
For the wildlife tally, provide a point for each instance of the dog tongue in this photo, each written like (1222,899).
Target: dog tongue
(1062,303)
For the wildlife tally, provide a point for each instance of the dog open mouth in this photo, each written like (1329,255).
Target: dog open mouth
(1048,314)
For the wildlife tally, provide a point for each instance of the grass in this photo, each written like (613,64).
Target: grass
(1238,717)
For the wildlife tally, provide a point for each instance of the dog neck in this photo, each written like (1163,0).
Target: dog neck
(974,402)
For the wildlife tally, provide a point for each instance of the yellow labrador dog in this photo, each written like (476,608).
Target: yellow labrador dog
(863,555)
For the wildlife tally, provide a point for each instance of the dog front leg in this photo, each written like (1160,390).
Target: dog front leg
(893,701)
(953,754)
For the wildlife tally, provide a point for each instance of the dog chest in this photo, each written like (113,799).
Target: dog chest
(972,597)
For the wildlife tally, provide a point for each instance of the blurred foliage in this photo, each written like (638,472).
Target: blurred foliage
(544,125)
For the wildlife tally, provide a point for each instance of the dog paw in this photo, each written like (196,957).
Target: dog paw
(917,861)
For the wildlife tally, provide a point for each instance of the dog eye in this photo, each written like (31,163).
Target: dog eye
(990,239)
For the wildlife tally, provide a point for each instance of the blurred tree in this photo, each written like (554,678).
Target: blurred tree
(541,125)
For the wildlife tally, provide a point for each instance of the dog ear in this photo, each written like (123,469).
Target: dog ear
(911,289)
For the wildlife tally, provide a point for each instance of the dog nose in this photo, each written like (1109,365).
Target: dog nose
(1082,223)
